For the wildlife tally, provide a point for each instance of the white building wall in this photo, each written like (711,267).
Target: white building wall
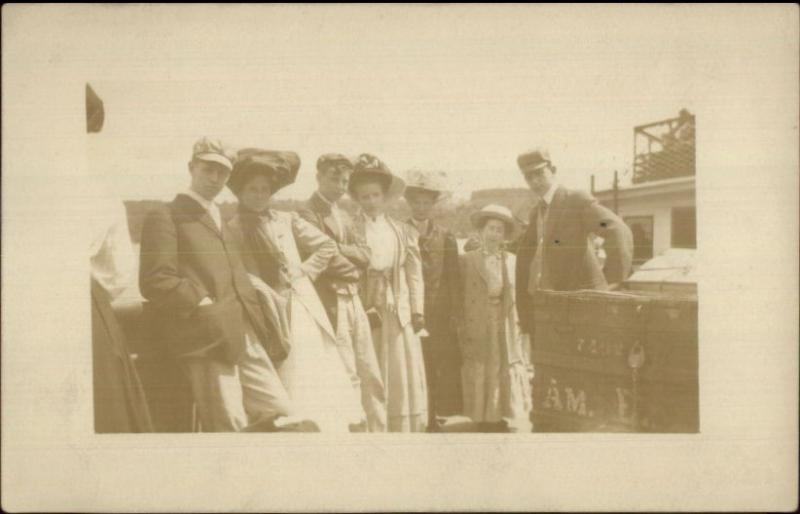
(659,206)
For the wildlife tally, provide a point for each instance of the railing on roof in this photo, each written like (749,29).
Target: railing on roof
(664,149)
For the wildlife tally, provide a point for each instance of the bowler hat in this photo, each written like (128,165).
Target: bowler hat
(280,167)
(368,166)
(496,212)
(534,159)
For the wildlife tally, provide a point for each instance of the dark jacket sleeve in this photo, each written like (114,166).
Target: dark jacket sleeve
(451,270)
(522,275)
(617,236)
(159,280)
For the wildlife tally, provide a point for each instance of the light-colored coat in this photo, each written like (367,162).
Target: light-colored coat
(407,283)
(475,310)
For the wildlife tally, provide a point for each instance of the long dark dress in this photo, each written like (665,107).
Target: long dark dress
(119,401)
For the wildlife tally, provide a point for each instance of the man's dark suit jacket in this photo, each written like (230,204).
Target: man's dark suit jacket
(184,258)
(345,269)
(568,255)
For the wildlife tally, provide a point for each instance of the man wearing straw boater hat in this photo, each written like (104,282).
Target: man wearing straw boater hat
(208,312)
(338,285)
(439,252)
(556,251)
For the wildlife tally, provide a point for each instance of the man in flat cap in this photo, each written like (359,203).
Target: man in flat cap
(556,251)
(337,286)
(208,313)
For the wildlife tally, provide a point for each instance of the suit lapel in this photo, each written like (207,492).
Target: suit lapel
(555,211)
(196,211)
(480,265)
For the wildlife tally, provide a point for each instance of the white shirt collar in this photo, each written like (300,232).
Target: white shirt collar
(548,196)
(206,204)
(380,218)
(421,226)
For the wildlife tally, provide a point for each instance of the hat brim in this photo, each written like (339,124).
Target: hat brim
(420,189)
(278,177)
(215,157)
(528,167)
(395,186)
(479,217)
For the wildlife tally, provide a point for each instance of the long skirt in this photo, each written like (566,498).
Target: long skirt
(119,401)
(315,377)
(403,368)
(495,390)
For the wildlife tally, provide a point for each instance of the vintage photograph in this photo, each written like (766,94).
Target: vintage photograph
(377,298)
(400,257)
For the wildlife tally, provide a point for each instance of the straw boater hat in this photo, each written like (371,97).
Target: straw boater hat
(369,166)
(428,181)
(280,167)
(496,212)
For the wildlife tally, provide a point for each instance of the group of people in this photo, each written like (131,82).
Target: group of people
(343,323)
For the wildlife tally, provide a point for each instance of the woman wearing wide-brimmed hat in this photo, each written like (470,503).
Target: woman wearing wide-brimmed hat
(272,243)
(393,293)
(497,393)
(439,251)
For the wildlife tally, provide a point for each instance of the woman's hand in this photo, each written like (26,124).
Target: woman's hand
(417,322)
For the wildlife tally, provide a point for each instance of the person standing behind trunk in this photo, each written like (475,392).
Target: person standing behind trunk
(497,394)
(393,294)
(439,253)
(338,286)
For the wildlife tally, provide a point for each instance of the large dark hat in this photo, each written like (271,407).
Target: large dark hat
(280,167)
(534,159)
(368,166)
(332,158)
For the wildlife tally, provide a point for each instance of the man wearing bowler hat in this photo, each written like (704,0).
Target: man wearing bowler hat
(208,312)
(556,251)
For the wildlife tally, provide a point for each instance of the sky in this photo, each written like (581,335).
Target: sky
(463,94)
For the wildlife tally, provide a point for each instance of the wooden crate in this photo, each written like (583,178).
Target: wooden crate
(615,362)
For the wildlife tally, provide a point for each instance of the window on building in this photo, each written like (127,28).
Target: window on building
(684,227)
(642,228)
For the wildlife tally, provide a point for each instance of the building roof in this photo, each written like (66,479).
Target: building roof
(656,187)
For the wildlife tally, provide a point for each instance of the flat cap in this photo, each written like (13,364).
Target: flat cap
(534,159)
(332,158)
(213,150)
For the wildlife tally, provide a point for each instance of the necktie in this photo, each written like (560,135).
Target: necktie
(537,265)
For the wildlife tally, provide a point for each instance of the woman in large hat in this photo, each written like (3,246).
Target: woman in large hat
(393,293)
(272,243)
(497,393)
(439,252)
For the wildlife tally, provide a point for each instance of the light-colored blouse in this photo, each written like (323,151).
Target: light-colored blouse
(382,242)
(493,265)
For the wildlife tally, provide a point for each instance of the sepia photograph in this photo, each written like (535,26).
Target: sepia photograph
(390,300)
(269,258)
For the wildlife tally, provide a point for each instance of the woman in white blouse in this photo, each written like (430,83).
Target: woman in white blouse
(497,394)
(393,294)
